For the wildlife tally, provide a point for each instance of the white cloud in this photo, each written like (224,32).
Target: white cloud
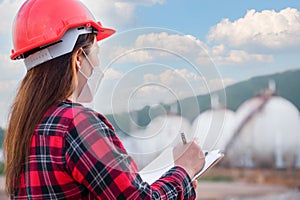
(6,87)
(7,91)
(153,47)
(180,44)
(111,74)
(160,46)
(11,75)
(239,56)
(126,55)
(8,10)
(167,86)
(117,13)
(170,77)
(181,81)
(267,29)
(222,56)
(11,70)
(178,84)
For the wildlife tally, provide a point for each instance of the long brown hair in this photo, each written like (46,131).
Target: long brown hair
(43,86)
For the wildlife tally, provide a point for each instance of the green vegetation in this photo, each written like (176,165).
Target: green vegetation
(218,178)
(1,168)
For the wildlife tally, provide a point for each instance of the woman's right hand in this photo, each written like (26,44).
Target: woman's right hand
(190,157)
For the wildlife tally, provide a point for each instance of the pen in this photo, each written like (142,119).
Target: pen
(183,138)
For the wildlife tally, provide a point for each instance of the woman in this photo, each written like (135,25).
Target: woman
(54,147)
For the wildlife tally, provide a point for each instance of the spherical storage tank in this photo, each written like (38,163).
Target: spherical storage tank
(214,128)
(162,132)
(267,134)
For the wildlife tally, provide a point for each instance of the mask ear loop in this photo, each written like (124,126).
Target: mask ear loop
(88,59)
(80,71)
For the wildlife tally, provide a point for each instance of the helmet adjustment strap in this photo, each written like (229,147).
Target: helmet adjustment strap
(64,46)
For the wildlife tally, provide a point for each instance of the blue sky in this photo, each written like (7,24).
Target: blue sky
(200,45)
(196,17)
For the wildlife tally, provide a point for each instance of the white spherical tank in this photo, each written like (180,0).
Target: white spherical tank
(269,133)
(165,130)
(162,132)
(214,128)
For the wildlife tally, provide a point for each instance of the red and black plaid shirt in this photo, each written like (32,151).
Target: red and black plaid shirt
(75,154)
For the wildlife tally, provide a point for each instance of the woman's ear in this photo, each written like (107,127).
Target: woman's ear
(78,57)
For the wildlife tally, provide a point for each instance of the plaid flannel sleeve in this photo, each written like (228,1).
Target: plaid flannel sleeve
(96,158)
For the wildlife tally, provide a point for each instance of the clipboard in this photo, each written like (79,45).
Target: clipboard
(164,162)
(211,159)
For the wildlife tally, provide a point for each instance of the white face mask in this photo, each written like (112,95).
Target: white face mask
(92,83)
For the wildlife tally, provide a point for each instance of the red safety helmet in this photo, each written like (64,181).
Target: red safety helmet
(42,22)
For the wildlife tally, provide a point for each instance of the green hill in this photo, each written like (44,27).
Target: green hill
(287,86)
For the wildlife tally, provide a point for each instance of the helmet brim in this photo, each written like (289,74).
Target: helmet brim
(103,32)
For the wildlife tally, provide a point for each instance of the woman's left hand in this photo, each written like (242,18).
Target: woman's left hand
(195,184)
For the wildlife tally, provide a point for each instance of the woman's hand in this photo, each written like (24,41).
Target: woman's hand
(190,157)
(195,184)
